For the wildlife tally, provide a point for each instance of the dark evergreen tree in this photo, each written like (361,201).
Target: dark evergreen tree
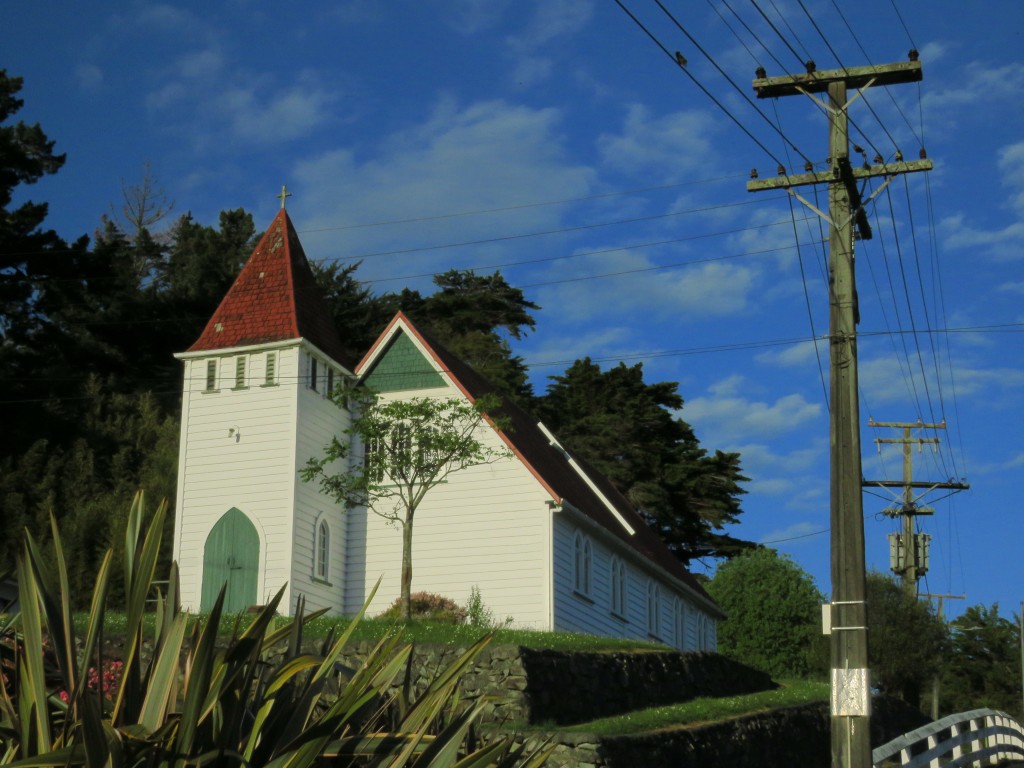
(907,641)
(628,430)
(983,665)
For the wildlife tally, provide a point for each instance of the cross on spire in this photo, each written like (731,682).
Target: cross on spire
(284,195)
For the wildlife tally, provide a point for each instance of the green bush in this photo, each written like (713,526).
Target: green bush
(774,614)
(427,606)
(184,694)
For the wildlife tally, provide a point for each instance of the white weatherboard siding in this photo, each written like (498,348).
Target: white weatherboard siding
(319,420)
(236,451)
(486,527)
(591,613)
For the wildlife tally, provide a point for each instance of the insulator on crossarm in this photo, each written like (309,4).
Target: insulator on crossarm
(899,156)
(808,166)
(781,170)
(760,73)
(912,54)
(753,173)
(923,154)
(878,159)
(811,66)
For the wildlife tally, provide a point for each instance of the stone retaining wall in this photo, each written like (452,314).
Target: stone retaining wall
(782,738)
(521,685)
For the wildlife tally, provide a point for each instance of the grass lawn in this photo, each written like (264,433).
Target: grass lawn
(420,632)
(698,711)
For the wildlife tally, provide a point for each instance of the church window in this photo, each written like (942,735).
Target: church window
(680,622)
(653,609)
(239,373)
(704,632)
(211,375)
(618,582)
(312,373)
(373,460)
(581,564)
(330,382)
(270,372)
(322,550)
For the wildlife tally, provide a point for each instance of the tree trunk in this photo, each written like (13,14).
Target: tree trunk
(407,568)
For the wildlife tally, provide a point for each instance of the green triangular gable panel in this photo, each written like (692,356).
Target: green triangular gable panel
(402,366)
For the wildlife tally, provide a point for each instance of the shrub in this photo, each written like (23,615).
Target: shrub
(255,697)
(427,606)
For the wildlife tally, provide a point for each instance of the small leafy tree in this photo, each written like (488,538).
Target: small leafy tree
(774,613)
(408,447)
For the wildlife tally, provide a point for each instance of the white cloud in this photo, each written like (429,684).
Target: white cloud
(89,76)
(552,19)
(1012,286)
(470,17)
(461,158)
(731,419)
(632,282)
(980,83)
(267,115)
(796,355)
(885,381)
(666,148)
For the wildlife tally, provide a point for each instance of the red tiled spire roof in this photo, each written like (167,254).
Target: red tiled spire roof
(274,298)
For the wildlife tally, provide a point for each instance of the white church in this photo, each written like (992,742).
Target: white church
(546,540)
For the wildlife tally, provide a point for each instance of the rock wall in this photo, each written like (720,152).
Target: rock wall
(566,688)
(527,686)
(781,738)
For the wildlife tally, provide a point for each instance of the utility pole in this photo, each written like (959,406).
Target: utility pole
(909,550)
(851,701)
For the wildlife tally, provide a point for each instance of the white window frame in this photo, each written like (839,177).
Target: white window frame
(583,554)
(679,619)
(619,591)
(270,370)
(240,372)
(211,376)
(322,550)
(653,608)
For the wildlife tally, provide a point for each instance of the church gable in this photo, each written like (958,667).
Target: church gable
(401,367)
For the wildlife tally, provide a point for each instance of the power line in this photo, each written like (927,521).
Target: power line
(731,82)
(696,82)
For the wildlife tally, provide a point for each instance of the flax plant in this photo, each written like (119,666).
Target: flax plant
(188,697)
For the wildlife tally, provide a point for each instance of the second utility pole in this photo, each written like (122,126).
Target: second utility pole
(851,698)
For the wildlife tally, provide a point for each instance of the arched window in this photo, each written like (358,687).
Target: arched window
(653,609)
(322,551)
(618,582)
(705,633)
(680,624)
(581,564)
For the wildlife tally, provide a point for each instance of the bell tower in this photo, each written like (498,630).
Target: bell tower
(255,407)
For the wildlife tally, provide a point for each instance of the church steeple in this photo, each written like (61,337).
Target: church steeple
(274,298)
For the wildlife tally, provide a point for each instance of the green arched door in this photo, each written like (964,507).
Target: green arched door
(232,557)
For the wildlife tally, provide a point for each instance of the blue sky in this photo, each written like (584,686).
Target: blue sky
(556,141)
